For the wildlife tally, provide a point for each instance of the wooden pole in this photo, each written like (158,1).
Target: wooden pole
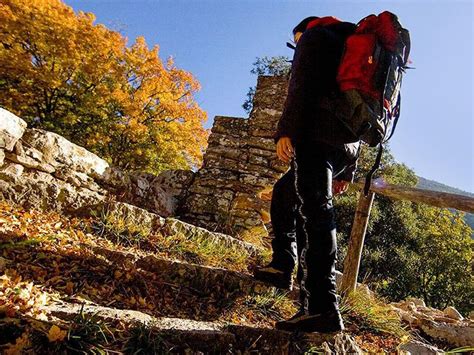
(433,198)
(356,242)
(361,219)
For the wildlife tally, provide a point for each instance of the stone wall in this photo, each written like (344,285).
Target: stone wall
(44,170)
(239,164)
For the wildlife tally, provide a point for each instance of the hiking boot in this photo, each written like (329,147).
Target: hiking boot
(275,277)
(326,322)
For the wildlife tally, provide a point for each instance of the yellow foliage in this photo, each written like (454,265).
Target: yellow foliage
(61,71)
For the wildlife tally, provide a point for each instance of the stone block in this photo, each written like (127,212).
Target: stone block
(211,172)
(235,186)
(248,202)
(216,161)
(173,226)
(271,92)
(11,171)
(259,160)
(29,162)
(115,178)
(18,148)
(12,129)
(37,189)
(214,204)
(217,139)
(232,126)
(262,132)
(246,214)
(260,171)
(261,143)
(416,301)
(175,181)
(416,347)
(73,177)
(57,150)
(262,152)
(458,335)
(227,152)
(264,120)
(279,166)
(259,181)
(204,190)
(33,153)
(130,213)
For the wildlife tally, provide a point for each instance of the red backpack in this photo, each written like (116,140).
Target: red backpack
(369,79)
(372,67)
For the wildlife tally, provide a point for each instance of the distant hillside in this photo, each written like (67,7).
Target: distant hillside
(437,186)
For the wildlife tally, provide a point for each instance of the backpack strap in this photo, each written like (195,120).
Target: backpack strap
(368,179)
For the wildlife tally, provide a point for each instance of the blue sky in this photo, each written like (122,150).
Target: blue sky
(218,40)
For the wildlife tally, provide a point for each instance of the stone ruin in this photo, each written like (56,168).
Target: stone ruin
(42,169)
(240,164)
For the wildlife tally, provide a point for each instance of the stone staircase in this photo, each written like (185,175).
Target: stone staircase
(198,337)
(192,307)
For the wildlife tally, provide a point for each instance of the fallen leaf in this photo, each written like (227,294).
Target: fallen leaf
(56,334)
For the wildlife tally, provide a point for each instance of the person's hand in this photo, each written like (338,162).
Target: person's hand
(339,187)
(284,149)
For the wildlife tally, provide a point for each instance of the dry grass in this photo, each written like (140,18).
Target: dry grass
(272,303)
(194,248)
(374,325)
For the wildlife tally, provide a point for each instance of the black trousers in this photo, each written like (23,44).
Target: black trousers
(304,225)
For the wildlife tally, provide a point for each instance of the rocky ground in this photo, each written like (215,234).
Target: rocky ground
(126,280)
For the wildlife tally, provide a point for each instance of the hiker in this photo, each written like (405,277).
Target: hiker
(322,162)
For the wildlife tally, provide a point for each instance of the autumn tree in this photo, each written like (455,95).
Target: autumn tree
(62,72)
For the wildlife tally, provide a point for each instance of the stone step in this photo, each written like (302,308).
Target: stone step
(167,226)
(145,282)
(203,279)
(179,335)
(173,225)
(190,336)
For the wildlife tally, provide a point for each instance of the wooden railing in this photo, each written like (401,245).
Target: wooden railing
(362,214)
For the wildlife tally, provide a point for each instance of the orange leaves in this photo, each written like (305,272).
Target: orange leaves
(17,296)
(82,81)
(162,119)
(55,53)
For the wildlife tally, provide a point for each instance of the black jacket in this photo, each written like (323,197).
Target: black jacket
(313,76)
